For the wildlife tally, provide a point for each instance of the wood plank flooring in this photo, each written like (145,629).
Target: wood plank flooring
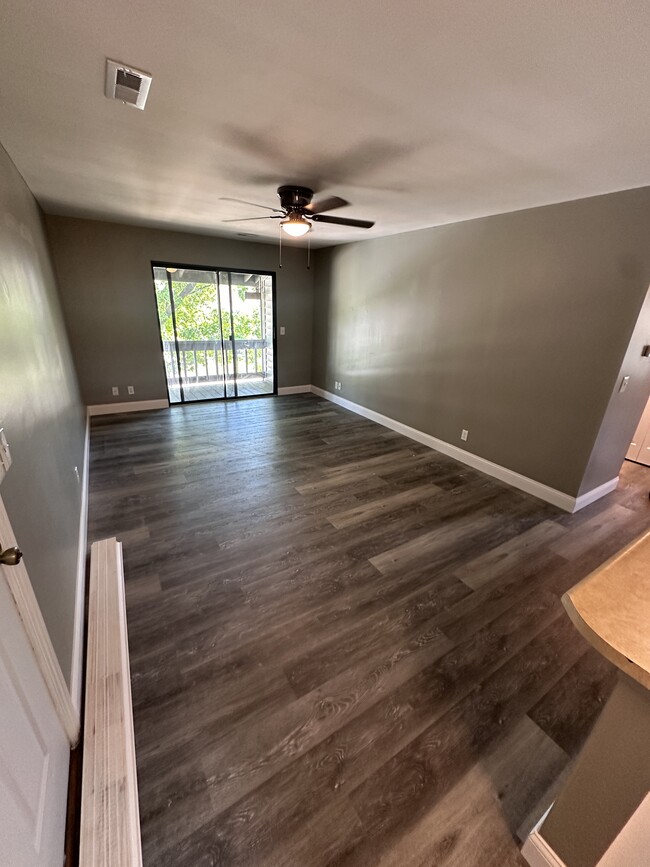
(346,649)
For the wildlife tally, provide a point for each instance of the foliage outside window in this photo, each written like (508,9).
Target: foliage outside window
(197,313)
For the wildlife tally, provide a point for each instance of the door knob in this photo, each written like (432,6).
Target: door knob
(10,557)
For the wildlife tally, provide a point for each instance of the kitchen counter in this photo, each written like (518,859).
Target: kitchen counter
(611,608)
(592,818)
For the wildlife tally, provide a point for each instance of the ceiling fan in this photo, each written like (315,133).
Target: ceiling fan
(298,211)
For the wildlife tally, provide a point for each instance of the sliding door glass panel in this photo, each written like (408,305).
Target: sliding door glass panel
(216,329)
(197,344)
(199,334)
(252,310)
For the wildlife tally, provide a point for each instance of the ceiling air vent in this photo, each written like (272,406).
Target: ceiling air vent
(126,84)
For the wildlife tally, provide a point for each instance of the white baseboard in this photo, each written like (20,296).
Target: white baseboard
(294,389)
(595,494)
(76,669)
(538,853)
(510,477)
(127,406)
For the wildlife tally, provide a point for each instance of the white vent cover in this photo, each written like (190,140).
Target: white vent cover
(127,84)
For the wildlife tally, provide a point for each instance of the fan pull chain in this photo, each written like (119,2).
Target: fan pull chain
(280,262)
(309,252)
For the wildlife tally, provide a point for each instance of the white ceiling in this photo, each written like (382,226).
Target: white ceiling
(419,112)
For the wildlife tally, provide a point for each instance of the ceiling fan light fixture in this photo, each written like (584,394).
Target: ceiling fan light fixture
(295,225)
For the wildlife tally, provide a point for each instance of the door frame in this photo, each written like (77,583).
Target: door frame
(29,612)
(157,263)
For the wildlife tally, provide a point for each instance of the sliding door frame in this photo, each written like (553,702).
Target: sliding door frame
(216,268)
(172,306)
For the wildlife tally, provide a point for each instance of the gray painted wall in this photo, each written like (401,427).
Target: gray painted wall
(607,783)
(40,411)
(105,281)
(513,326)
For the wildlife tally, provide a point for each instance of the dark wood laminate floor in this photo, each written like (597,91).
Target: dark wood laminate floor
(345,648)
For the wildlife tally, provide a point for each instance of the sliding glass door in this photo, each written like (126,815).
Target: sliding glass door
(217,329)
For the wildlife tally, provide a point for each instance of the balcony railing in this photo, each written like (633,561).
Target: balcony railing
(210,361)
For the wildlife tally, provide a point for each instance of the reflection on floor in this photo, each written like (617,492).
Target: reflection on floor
(212,391)
(346,648)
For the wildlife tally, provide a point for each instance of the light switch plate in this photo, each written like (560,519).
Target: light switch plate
(5,454)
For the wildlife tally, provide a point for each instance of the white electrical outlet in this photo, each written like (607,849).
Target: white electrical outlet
(130,389)
(115,391)
(281,330)
(464,434)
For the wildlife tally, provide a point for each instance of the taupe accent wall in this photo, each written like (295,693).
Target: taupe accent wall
(514,327)
(105,280)
(607,783)
(40,411)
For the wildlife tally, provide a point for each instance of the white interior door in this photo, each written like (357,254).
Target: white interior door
(34,749)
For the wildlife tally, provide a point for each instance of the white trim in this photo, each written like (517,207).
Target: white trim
(76,667)
(538,853)
(294,389)
(510,477)
(595,494)
(128,406)
(110,821)
(536,850)
(37,634)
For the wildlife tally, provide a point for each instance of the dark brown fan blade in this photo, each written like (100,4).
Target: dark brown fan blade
(253,204)
(326,205)
(248,219)
(342,221)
